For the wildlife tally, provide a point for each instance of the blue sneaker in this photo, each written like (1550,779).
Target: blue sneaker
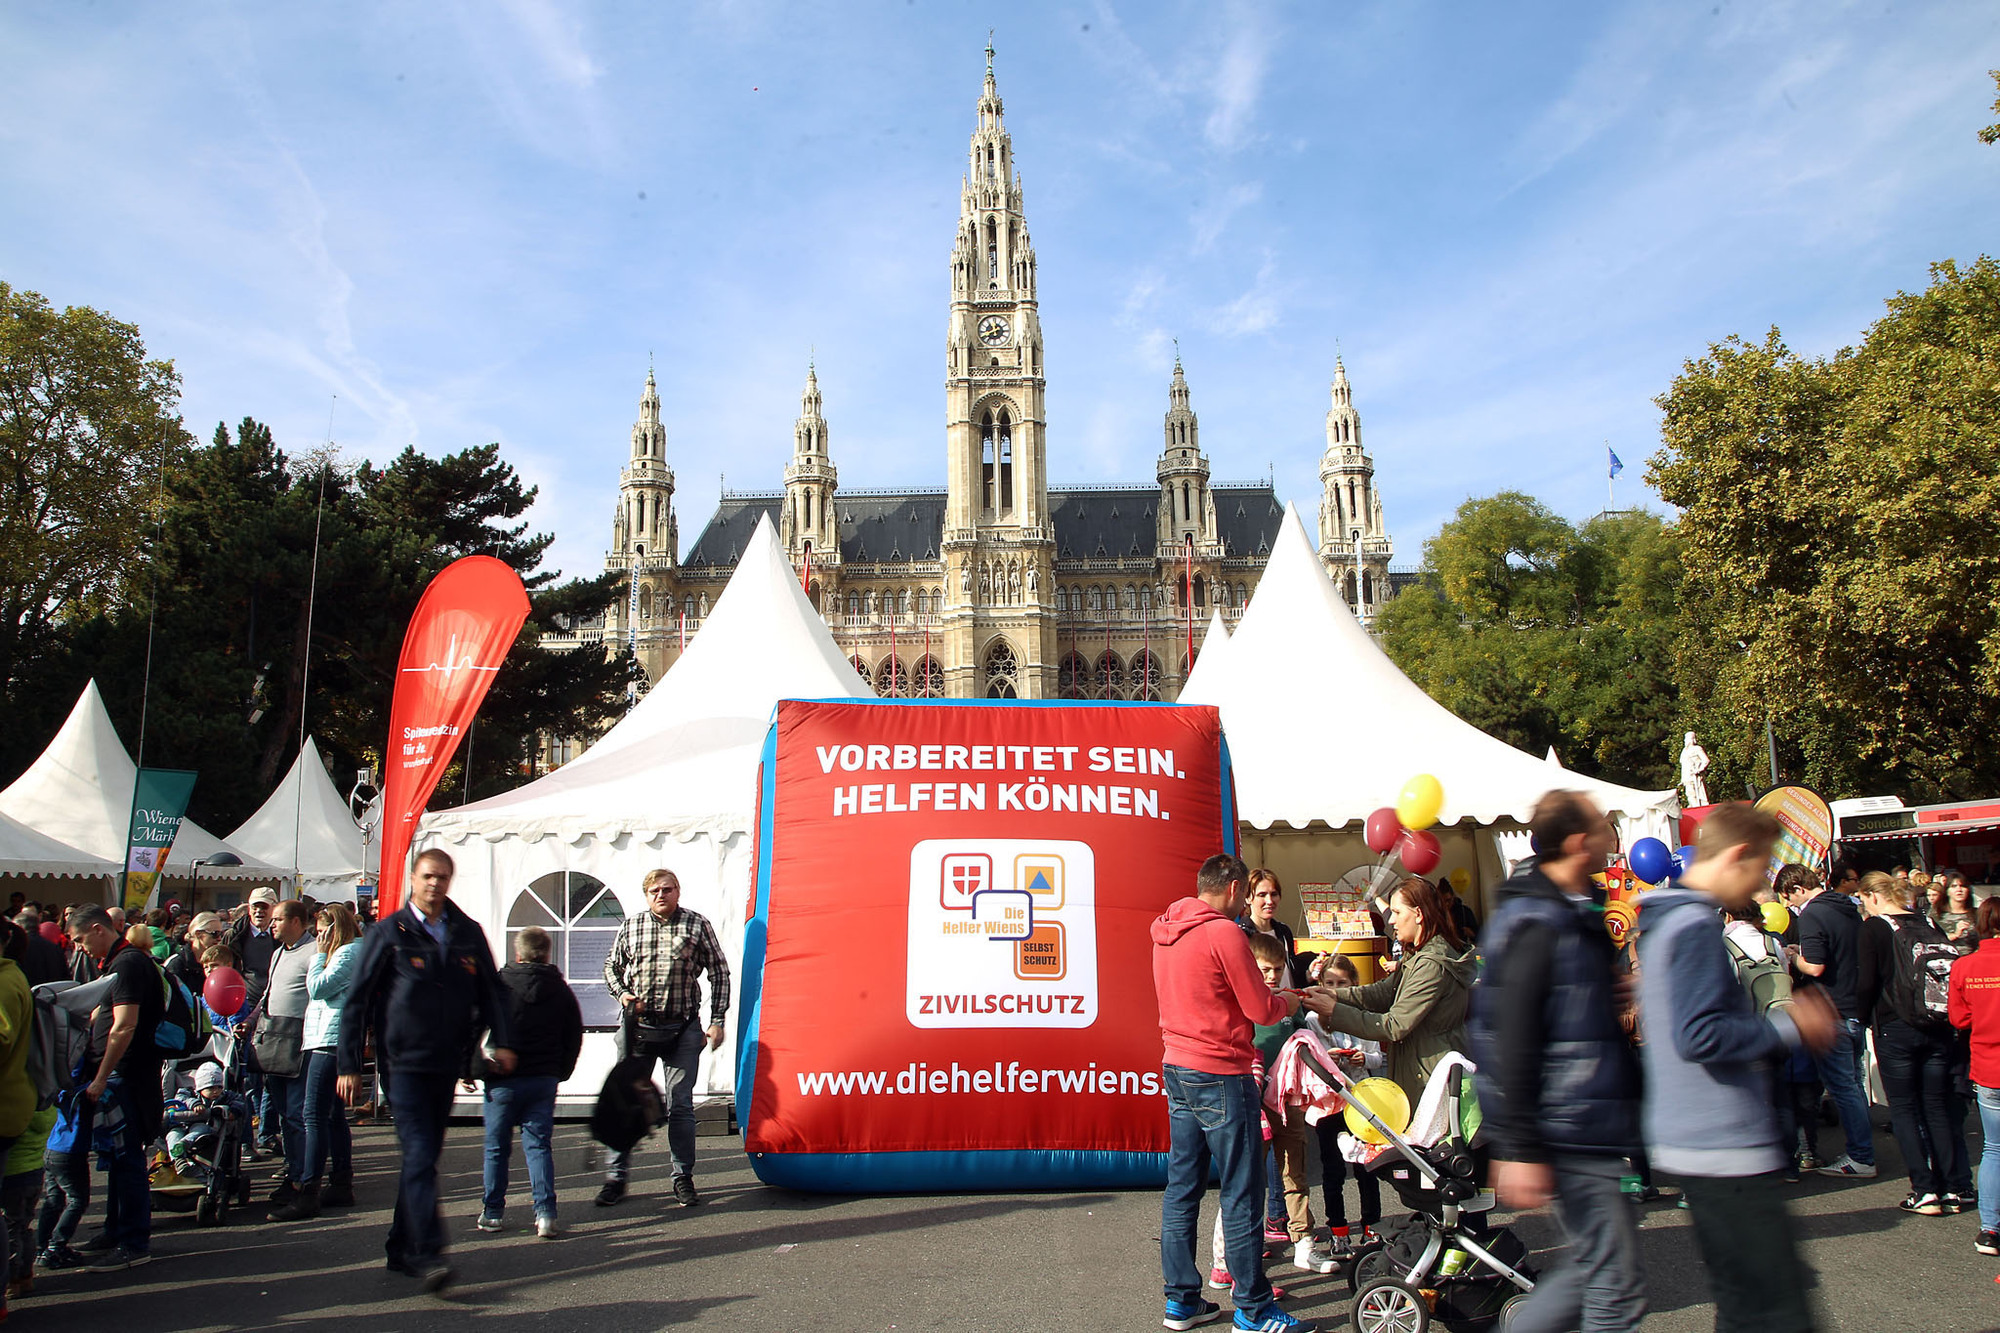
(1273,1320)
(1187,1314)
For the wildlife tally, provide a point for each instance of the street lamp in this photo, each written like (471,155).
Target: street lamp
(218,859)
(364,806)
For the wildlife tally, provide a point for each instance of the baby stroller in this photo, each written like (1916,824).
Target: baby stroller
(204,1167)
(1427,1268)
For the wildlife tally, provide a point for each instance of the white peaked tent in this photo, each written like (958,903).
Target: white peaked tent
(1208,662)
(673,785)
(1323,728)
(305,826)
(26,852)
(79,791)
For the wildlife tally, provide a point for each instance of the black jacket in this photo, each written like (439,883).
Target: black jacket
(425,1003)
(185,966)
(547,1023)
(1556,1071)
(253,956)
(44,961)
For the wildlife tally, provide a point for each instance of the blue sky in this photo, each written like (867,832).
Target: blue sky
(475,222)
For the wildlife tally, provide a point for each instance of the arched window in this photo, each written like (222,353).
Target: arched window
(1146,600)
(582,918)
(1073,677)
(1348,587)
(812,594)
(1000,671)
(1096,598)
(645,603)
(1200,591)
(861,669)
(927,682)
(853,603)
(1146,678)
(1368,586)
(1242,597)
(890,680)
(987,447)
(1131,598)
(1006,455)
(1110,677)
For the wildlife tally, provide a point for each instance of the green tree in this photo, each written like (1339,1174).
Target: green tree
(1991,134)
(1543,634)
(1841,539)
(86,425)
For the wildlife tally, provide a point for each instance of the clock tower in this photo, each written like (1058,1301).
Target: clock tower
(999,542)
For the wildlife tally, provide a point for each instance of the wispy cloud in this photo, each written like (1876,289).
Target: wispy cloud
(1238,80)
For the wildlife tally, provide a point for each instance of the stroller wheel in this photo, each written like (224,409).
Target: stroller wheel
(243,1189)
(1510,1310)
(1390,1305)
(204,1210)
(1368,1265)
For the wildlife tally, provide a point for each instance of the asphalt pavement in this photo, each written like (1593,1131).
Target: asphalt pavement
(760,1258)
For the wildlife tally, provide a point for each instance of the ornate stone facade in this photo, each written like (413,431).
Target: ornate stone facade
(995,585)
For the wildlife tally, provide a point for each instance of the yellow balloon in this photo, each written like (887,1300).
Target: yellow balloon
(1387,1100)
(1420,802)
(1776,918)
(1461,880)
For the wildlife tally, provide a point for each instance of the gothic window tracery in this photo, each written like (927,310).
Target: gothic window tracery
(1146,678)
(1000,671)
(891,682)
(1073,677)
(1110,676)
(927,681)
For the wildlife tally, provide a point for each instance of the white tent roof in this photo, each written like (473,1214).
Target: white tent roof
(684,760)
(1322,726)
(26,852)
(80,792)
(1208,662)
(305,825)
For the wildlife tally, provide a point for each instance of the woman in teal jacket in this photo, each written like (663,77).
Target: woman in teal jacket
(328,975)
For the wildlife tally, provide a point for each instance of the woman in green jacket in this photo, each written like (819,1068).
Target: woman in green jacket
(1418,1011)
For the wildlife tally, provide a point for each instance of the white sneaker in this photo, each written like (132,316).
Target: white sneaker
(546,1228)
(1308,1256)
(1844,1165)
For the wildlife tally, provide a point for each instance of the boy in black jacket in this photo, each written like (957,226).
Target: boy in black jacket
(425,987)
(548,1033)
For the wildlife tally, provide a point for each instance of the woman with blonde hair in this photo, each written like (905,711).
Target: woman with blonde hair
(1916,1052)
(328,975)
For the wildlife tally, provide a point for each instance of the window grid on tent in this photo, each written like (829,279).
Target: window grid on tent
(582,918)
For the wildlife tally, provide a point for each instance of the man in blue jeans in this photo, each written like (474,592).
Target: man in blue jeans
(1210,995)
(548,1034)
(1829,945)
(424,979)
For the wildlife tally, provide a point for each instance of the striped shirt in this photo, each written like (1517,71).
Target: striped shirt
(661,962)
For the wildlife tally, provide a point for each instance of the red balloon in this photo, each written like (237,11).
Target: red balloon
(1382,830)
(224,990)
(1420,851)
(52,933)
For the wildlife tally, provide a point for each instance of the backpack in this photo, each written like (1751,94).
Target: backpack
(1767,978)
(57,1043)
(184,1027)
(1920,991)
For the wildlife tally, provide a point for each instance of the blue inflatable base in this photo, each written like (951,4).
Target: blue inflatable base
(953,1172)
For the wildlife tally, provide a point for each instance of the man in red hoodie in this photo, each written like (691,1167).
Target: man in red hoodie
(1211,994)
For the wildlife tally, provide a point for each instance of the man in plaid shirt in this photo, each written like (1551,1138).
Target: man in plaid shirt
(654,969)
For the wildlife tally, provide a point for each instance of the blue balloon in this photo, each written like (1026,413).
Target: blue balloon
(1683,859)
(1651,861)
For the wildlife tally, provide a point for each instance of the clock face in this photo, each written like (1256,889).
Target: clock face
(993,330)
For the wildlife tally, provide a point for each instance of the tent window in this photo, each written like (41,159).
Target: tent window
(582,918)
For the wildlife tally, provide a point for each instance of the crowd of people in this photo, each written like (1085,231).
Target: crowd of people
(324,1013)
(1700,1046)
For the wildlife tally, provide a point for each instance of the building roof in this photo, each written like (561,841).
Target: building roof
(1092,523)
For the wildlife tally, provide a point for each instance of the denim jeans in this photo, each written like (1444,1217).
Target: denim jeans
(66,1197)
(1840,1070)
(531,1104)
(327,1134)
(680,1061)
(1744,1234)
(1989,1157)
(423,1103)
(288,1108)
(1599,1288)
(1924,1109)
(1212,1118)
(18,1196)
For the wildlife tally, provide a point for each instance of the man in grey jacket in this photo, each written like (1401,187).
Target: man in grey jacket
(1708,1052)
(286,997)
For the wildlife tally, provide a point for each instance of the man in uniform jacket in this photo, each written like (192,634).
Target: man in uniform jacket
(425,988)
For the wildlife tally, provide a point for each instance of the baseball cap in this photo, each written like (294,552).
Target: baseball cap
(264,895)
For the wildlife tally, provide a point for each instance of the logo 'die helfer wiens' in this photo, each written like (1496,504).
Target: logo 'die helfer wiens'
(1003,933)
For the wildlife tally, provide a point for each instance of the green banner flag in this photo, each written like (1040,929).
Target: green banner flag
(159,799)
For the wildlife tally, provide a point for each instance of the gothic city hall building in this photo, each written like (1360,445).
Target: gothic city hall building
(996,585)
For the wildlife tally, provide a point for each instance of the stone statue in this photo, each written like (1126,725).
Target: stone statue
(1034,581)
(965,579)
(1694,763)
